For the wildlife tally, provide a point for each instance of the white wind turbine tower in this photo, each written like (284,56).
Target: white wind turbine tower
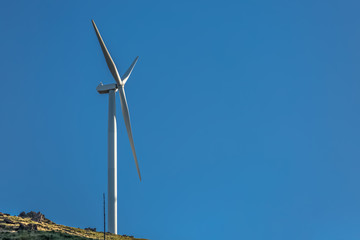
(112,140)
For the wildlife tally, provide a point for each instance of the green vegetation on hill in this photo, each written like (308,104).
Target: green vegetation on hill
(24,228)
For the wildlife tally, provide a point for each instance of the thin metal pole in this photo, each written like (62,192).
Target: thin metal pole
(104,216)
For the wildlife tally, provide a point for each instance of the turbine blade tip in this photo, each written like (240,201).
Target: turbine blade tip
(94,25)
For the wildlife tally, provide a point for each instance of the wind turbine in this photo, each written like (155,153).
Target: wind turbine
(112,139)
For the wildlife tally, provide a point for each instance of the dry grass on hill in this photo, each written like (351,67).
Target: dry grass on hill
(12,227)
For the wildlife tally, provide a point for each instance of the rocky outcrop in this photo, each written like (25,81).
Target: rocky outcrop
(7,220)
(31,227)
(127,236)
(21,227)
(90,229)
(35,216)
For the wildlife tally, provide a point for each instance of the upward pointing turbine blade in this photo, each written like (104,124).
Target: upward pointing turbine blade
(107,56)
(125,112)
(128,72)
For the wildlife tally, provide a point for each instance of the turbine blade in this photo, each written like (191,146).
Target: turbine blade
(128,72)
(109,61)
(125,112)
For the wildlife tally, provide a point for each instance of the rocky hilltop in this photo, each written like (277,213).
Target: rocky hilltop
(34,225)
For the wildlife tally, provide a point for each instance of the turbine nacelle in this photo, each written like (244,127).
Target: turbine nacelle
(103,89)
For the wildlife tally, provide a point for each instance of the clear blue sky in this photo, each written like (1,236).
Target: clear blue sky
(245,116)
